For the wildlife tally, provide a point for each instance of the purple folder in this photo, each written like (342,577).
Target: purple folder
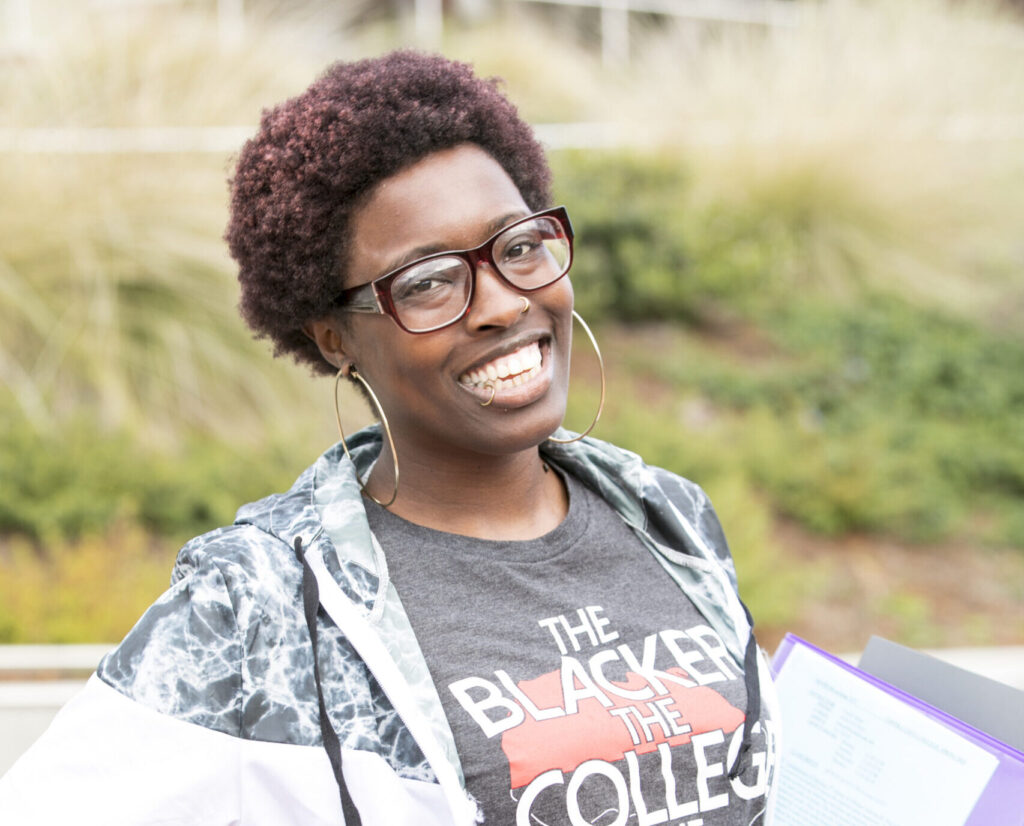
(1002,801)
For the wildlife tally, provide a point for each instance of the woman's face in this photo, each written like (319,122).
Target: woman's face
(429,384)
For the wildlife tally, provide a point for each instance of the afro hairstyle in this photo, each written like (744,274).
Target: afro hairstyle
(317,157)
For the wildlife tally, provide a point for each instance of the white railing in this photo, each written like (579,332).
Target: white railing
(18,31)
(22,661)
(428,18)
(35,681)
(615,16)
(71,140)
(226,140)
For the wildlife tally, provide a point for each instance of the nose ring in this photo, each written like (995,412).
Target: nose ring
(526,304)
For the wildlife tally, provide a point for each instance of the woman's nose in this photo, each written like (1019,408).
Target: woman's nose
(495,303)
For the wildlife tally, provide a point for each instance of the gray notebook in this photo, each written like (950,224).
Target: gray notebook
(990,706)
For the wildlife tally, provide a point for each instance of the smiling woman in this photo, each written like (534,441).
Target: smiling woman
(484,619)
(453,200)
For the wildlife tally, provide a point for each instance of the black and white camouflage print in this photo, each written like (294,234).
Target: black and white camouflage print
(227,648)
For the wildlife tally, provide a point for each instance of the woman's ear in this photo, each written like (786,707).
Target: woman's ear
(326,334)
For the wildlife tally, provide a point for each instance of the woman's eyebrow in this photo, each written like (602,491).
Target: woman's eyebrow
(413,254)
(424,250)
(497,225)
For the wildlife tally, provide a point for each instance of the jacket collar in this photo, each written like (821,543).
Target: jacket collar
(340,532)
(324,506)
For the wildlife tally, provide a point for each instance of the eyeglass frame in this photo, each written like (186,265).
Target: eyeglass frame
(380,287)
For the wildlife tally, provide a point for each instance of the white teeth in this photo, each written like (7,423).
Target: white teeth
(507,371)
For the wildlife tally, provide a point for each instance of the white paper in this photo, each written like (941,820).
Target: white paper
(853,755)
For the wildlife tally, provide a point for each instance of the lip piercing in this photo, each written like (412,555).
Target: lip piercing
(526,304)
(493,391)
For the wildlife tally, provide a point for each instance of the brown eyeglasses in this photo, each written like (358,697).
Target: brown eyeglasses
(435,291)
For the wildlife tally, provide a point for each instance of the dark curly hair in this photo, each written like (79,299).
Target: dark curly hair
(318,156)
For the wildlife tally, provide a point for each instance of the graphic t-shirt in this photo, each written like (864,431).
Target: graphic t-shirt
(581,685)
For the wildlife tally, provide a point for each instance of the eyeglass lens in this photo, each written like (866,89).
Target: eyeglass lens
(530,254)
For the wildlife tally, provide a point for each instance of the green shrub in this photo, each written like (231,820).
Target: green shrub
(116,290)
(82,480)
(629,256)
(88,590)
(771,589)
(885,417)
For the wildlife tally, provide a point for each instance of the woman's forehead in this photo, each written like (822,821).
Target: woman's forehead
(451,199)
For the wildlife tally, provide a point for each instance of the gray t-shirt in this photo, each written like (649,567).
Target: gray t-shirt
(581,685)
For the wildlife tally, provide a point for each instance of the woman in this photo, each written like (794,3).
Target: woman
(457,615)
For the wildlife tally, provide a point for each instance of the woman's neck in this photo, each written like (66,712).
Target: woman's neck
(492,497)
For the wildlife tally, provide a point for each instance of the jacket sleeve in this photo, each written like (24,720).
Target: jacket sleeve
(108,760)
(184,657)
(148,740)
(206,715)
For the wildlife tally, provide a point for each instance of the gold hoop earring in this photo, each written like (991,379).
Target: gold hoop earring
(387,430)
(600,405)
(526,304)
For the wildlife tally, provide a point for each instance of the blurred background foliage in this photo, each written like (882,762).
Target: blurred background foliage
(802,255)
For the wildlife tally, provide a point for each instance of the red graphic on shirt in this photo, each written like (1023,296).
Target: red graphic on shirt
(564,742)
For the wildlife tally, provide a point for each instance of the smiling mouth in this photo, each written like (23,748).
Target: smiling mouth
(507,371)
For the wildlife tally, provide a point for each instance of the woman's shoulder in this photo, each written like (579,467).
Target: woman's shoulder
(240,557)
(187,655)
(234,595)
(258,548)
